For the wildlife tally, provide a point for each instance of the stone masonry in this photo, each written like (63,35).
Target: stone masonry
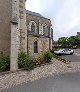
(41,33)
(43,45)
(15,22)
(5,26)
(12,23)
(18,31)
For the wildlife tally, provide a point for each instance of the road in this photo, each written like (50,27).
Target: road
(73,58)
(69,82)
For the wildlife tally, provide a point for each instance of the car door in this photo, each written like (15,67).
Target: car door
(63,52)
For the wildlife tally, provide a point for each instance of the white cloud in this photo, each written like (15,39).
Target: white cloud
(64,14)
(68,16)
(33,5)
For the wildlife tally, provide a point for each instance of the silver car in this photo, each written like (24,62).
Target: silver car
(64,52)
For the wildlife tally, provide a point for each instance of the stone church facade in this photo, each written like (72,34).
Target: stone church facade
(22,31)
(39,36)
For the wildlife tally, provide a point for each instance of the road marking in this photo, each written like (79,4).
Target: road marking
(77,54)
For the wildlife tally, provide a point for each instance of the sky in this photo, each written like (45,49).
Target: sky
(64,15)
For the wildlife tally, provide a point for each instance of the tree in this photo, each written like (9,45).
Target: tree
(74,40)
(69,42)
(63,41)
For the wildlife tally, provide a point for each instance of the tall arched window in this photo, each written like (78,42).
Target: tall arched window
(33,27)
(44,29)
(35,47)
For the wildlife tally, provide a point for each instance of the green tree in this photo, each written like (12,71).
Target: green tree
(63,41)
(74,40)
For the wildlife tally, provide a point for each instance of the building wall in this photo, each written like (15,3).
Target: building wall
(38,21)
(43,45)
(18,31)
(43,39)
(12,23)
(51,38)
(5,25)
(23,28)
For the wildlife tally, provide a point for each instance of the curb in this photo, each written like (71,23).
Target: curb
(63,60)
(7,72)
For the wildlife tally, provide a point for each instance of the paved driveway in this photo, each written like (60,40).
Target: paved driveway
(75,57)
(69,82)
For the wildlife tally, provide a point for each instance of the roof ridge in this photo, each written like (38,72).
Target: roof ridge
(34,13)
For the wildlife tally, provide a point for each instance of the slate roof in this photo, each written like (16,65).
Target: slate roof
(33,13)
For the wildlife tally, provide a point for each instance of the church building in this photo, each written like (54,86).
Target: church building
(21,29)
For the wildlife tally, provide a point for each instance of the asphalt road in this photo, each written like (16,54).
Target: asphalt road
(73,58)
(69,82)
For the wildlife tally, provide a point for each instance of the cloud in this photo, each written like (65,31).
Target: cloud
(33,5)
(68,16)
(64,14)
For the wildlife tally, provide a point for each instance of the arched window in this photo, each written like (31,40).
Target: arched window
(33,27)
(44,29)
(35,47)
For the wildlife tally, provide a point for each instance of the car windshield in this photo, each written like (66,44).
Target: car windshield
(67,50)
(64,50)
(61,49)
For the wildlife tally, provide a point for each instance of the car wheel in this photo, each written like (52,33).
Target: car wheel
(71,53)
(59,54)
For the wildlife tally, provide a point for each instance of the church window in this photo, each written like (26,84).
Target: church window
(44,29)
(35,47)
(33,27)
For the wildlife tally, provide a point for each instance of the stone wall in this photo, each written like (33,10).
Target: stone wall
(39,22)
(5,26)
(23,28)
(43,39)
(12,21)
(43,45)
(18,32)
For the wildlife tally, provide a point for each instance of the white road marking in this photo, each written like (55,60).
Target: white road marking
(77,54)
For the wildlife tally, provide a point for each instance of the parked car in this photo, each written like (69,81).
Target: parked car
(64,52)
(74,47)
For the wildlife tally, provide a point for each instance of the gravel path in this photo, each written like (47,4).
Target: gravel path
(20,77)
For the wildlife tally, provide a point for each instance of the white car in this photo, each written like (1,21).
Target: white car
(64,52)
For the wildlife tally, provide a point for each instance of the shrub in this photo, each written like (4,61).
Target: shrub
(37,61)
(30,65)
(4,63)
(23,61)
(52,51)
(48,56)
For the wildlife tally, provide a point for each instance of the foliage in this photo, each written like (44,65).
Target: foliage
(73,40)
(69,42)
(48,56)
(62,41)
(52,51)
(37,61)
(23,61)
(4,63)
(29,66)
